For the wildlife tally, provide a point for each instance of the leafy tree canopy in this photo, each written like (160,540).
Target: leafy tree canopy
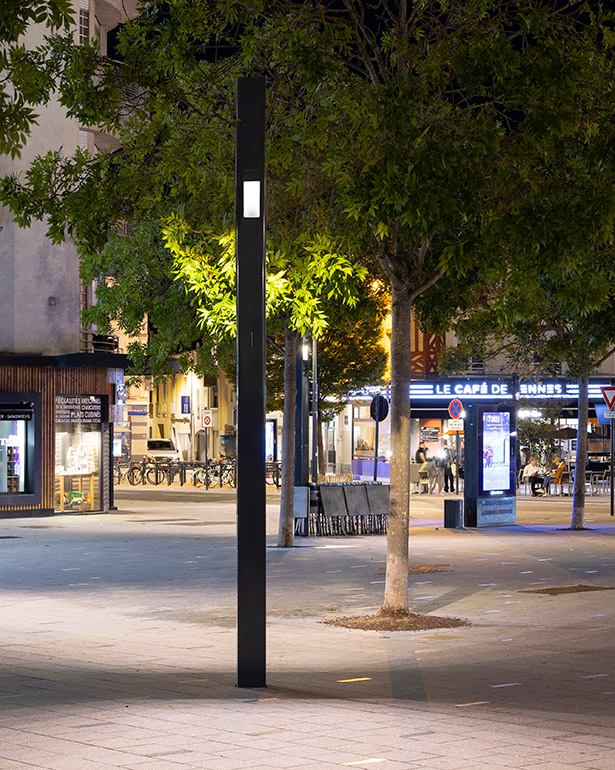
(351,353)
(137,290)
(25,79)
(301,278)
(538,318)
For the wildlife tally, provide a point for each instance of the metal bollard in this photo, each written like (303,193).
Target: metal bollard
(453,514)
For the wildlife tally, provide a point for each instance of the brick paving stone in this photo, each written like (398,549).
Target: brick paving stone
(9,764)
(318,766)
(212,748)
(283,760)
(558,765)
(21,754)
(153,764)
(221,763)
(69,763)
(446,763)
(599,763)
(490,765)
(513,760)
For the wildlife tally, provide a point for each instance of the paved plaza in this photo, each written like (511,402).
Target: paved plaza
(118,644)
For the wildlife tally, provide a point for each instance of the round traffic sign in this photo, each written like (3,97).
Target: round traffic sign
(455,408)
(379,408)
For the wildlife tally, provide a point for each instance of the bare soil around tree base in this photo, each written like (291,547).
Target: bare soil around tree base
(398,621)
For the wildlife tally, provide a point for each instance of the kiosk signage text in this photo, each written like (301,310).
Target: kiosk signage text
(79,409)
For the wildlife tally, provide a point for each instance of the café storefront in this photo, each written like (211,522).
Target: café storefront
(430,419)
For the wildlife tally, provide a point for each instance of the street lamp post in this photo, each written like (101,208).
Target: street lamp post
(250,251)
(302,451)
(314,411)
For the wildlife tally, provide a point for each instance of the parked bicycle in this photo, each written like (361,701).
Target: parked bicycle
(142,472)
(120,471)
(218,473)
(164,472)
(273,473)
(199,476)
(154,474)
(136,474)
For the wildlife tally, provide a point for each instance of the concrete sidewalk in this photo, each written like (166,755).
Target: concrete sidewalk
(118,644)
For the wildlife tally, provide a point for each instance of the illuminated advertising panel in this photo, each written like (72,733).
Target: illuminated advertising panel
(472,390)
(496,451)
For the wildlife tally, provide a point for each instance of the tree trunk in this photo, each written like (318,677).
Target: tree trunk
(578,503)
(322,468)
(396,586)
(287,524)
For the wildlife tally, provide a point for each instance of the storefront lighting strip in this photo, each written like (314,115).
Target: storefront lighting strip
(432,391)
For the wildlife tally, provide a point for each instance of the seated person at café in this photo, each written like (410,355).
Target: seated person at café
(555,474)
(532,473)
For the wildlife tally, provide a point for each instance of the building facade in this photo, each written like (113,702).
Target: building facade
(61,385)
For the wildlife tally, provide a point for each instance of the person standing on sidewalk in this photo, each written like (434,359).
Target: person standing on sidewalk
(445,462)
(421,453)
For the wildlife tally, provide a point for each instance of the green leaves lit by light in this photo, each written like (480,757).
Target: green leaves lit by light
(301,278)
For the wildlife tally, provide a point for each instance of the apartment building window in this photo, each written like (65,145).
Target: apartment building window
(158,402)
(84,25)
(476,366)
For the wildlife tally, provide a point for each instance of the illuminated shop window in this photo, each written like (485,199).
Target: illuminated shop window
(364,435)
(14,422)
(78,453)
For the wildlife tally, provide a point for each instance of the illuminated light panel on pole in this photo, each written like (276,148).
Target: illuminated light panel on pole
(251,200)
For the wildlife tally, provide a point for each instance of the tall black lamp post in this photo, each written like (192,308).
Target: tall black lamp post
(250,250)
(302,425)
(314,410)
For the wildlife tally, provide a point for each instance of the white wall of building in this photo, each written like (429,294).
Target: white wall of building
(32,266)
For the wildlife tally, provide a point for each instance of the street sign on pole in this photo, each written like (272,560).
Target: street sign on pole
(608,394)
(207,418)
(612,469)
(455,425)
(379,410)
(455,408)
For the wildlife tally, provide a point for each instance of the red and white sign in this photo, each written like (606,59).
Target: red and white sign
(207,417)
(608,394)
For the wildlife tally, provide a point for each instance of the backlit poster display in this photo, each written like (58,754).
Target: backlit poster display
(496,451)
